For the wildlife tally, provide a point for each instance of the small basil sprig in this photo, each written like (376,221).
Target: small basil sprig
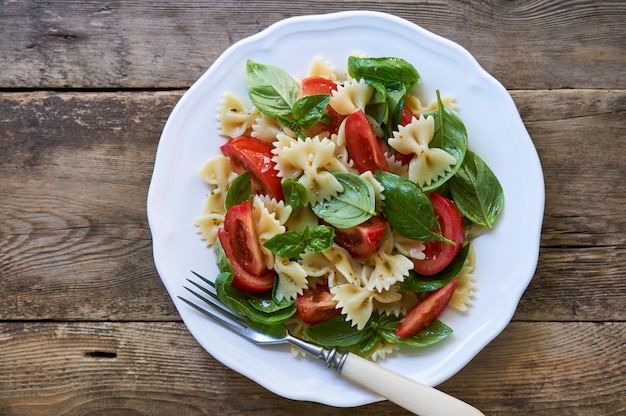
(291,244)
(407,208)
(275,93)
(353,206)
(477,191)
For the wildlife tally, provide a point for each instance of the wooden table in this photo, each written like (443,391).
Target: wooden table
(86,326)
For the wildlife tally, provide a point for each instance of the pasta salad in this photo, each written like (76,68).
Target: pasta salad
(343,206)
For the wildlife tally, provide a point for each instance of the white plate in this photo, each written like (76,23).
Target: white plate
(506,257)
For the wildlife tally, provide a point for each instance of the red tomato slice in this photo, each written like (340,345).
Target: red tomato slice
(316,305)
(255,155)
(439,255)
(424,313)
(363,239)
(239,240)
(362,144)
(315,86)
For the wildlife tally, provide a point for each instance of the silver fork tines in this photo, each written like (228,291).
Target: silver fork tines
(226,318)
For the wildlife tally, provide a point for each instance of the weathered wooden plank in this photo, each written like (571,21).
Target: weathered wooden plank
(159,369)
(75,173)
(76,167)
(525,44)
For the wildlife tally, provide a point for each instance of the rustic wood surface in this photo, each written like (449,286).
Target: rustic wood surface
(86,326)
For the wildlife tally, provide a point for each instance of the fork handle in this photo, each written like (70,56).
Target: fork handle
(410,394)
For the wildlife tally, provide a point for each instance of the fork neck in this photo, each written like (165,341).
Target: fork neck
(333,358)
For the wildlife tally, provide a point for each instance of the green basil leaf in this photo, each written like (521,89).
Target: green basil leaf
(395,101)
(272,90)
(477,191)
(385,70)
(321,238)
(336,332)
(309,110)
(295,193)
(240,303)
(421,284)
(223,264)
(287,245)
(291,244)
(240,190)
(385,328)
(407,209)
(378,107)
(270,304)
(436,332)
(451,136)
(353,206)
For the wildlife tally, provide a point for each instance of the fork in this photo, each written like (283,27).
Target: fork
(405,392)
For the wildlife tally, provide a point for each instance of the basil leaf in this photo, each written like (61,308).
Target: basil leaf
(378,107)
(353,206)
(240,303)
(450,135)
(385,70)
(272,90)
(295,193)
(291,244)
(240,190)
(336,332)
(223,264)
(407,208)
(309,110)
(477,191)
(321,238)
(395,101)
(287,245)
(421,284)
(436,332)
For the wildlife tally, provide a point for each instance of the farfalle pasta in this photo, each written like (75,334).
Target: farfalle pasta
(330,209)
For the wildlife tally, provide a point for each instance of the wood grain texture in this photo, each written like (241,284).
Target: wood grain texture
(158,369)
(86,326)
(132,44)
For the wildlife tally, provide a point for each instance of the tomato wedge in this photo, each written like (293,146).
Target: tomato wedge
(238,238)
(363,239)
(362,144)
(439,255)
(320,85)
(424,313)
(317,85)
(255,155)
(316,305)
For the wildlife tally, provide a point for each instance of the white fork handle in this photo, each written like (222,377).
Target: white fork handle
(411,395)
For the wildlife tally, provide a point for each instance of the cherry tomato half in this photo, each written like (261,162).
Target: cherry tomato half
(255,155)
(320,85)
(424,313)
(363,239)
(316,305)
(238,238)
(439,255)
(362,144)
